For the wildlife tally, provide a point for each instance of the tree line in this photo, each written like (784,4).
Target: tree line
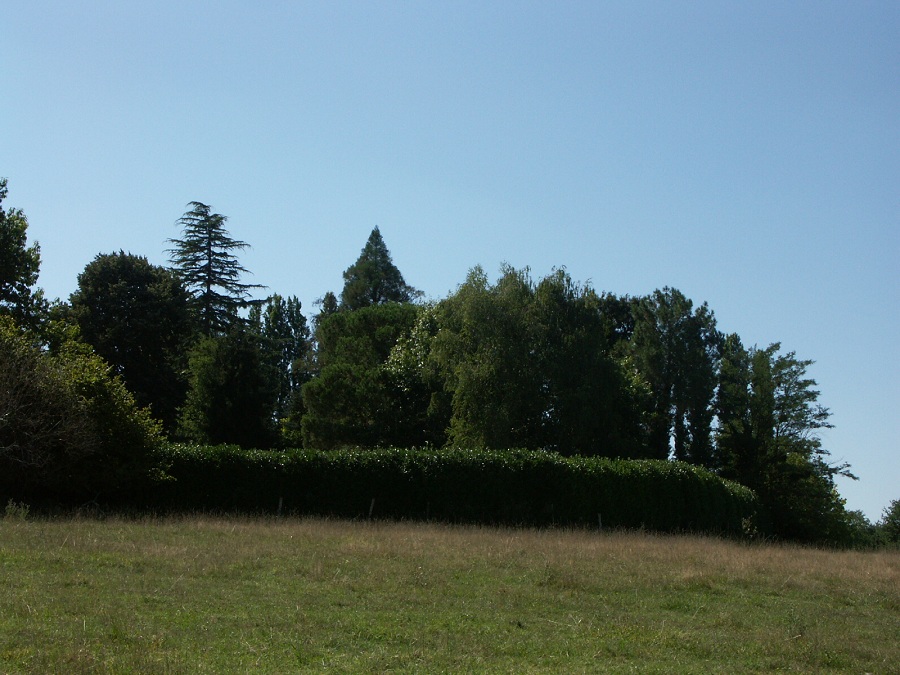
(188,353)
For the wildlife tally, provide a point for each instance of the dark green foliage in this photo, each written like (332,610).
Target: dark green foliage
(136,316)
(19,267)
(285,346)
(500,487)
(526,365)
(232,394)
(374,279)
(354,400)
(329,305)
(675,350)
(588,403)
(550,366)
(205,261)
(618,314)
(483,352)
(860,533)
(889,525)
(69,431)
(767,438)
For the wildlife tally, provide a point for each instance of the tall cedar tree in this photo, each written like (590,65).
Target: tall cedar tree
(374,279)
(19,266)
(204,258)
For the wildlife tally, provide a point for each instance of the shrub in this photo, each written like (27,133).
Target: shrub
(516,487)
(68,430)
(889,525)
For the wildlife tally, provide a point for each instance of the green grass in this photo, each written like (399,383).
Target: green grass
(215,595)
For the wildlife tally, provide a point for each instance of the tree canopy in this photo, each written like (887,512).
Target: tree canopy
(136,316)
(205,260)
(674,348)
(353,399)
(231,396)
(69,430)
(519,364)
(285,350)
(547,364)
(374,279)
(768,439)
(19,267)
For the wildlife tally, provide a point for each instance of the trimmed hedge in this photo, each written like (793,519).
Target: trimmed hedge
(514,487)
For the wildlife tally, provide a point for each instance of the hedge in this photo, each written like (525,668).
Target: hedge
(513,487)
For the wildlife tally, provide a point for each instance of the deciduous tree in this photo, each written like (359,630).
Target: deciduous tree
(530,365)
(231,396)
(136,316)
(19,267)
(768,423)
(69,430)
(889,525)
(285,343)
(353,400)
(675,350)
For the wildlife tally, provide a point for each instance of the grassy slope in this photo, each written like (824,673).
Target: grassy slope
(216,595)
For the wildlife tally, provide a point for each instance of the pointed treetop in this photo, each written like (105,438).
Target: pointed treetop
(374,279)
(209,269)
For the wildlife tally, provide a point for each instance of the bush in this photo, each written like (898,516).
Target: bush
(68,430)
(889,525)
(515,487)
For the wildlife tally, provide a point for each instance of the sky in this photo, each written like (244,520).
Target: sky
(747,154)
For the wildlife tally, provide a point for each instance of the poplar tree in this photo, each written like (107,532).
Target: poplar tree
(205,260)
(284,341)
(768,439)
(675,349)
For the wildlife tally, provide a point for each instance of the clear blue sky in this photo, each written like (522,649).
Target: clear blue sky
(744,153)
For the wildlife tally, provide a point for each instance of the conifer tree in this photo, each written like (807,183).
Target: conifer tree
(374,279)
(204,258)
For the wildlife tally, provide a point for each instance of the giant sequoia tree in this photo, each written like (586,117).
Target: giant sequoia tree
(374,279)
(205,260)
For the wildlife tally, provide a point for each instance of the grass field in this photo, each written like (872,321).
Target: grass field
(214,595)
